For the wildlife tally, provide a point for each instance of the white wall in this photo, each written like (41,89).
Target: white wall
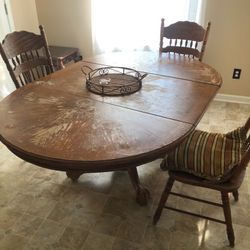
(228,44)
(67,23)
(24,15)
(4,21)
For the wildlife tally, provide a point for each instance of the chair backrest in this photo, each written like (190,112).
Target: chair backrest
(26,56)
(184,37)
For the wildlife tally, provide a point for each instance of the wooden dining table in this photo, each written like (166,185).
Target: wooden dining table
(57,123)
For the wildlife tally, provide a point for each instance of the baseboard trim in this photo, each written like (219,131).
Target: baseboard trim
(232,98)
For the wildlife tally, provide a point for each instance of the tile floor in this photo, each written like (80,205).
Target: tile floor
(43,209)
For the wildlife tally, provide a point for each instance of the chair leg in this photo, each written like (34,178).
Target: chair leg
(236,195)
(163,200)
(228,218)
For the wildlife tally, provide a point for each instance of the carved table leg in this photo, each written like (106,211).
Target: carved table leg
(142,194)
(74,174)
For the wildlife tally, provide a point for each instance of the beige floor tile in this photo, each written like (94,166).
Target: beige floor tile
(12,242)
(242,235)
(72,238)
(21,202)
(27,225)
(99,182)
(96,241)
(241,216)
(183,241)
(49,232)
(83,219)
(127,209)
(41,207)
(120,244)
(5,196)
(132,230)
(61,213)
(8,217)
(107,224)
(156,238)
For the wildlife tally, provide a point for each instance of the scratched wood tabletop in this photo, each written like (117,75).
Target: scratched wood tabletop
(57,123)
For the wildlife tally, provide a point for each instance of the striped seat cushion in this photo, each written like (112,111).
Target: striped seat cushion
(207,155)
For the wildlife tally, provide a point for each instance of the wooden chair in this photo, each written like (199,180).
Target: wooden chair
(184,37)
(26,56)
(231,185)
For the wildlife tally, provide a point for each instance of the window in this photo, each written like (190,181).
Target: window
(135,24)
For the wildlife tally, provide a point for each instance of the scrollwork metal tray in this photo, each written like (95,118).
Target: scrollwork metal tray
(113,81)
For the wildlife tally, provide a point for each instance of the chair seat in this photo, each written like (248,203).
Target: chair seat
(211,156)
(228,186)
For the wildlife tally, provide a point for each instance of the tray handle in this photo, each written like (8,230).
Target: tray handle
(142,76)
(83,69)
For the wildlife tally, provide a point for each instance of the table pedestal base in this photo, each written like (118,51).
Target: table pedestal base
(142,193)
(74,174)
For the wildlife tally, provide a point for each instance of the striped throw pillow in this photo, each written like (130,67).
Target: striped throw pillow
(207,155)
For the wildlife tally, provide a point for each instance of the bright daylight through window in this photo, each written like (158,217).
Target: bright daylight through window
(134,24)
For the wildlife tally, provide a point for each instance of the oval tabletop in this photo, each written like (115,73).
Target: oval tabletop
(58,123)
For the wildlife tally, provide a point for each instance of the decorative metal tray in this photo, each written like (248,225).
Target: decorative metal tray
(113,81)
